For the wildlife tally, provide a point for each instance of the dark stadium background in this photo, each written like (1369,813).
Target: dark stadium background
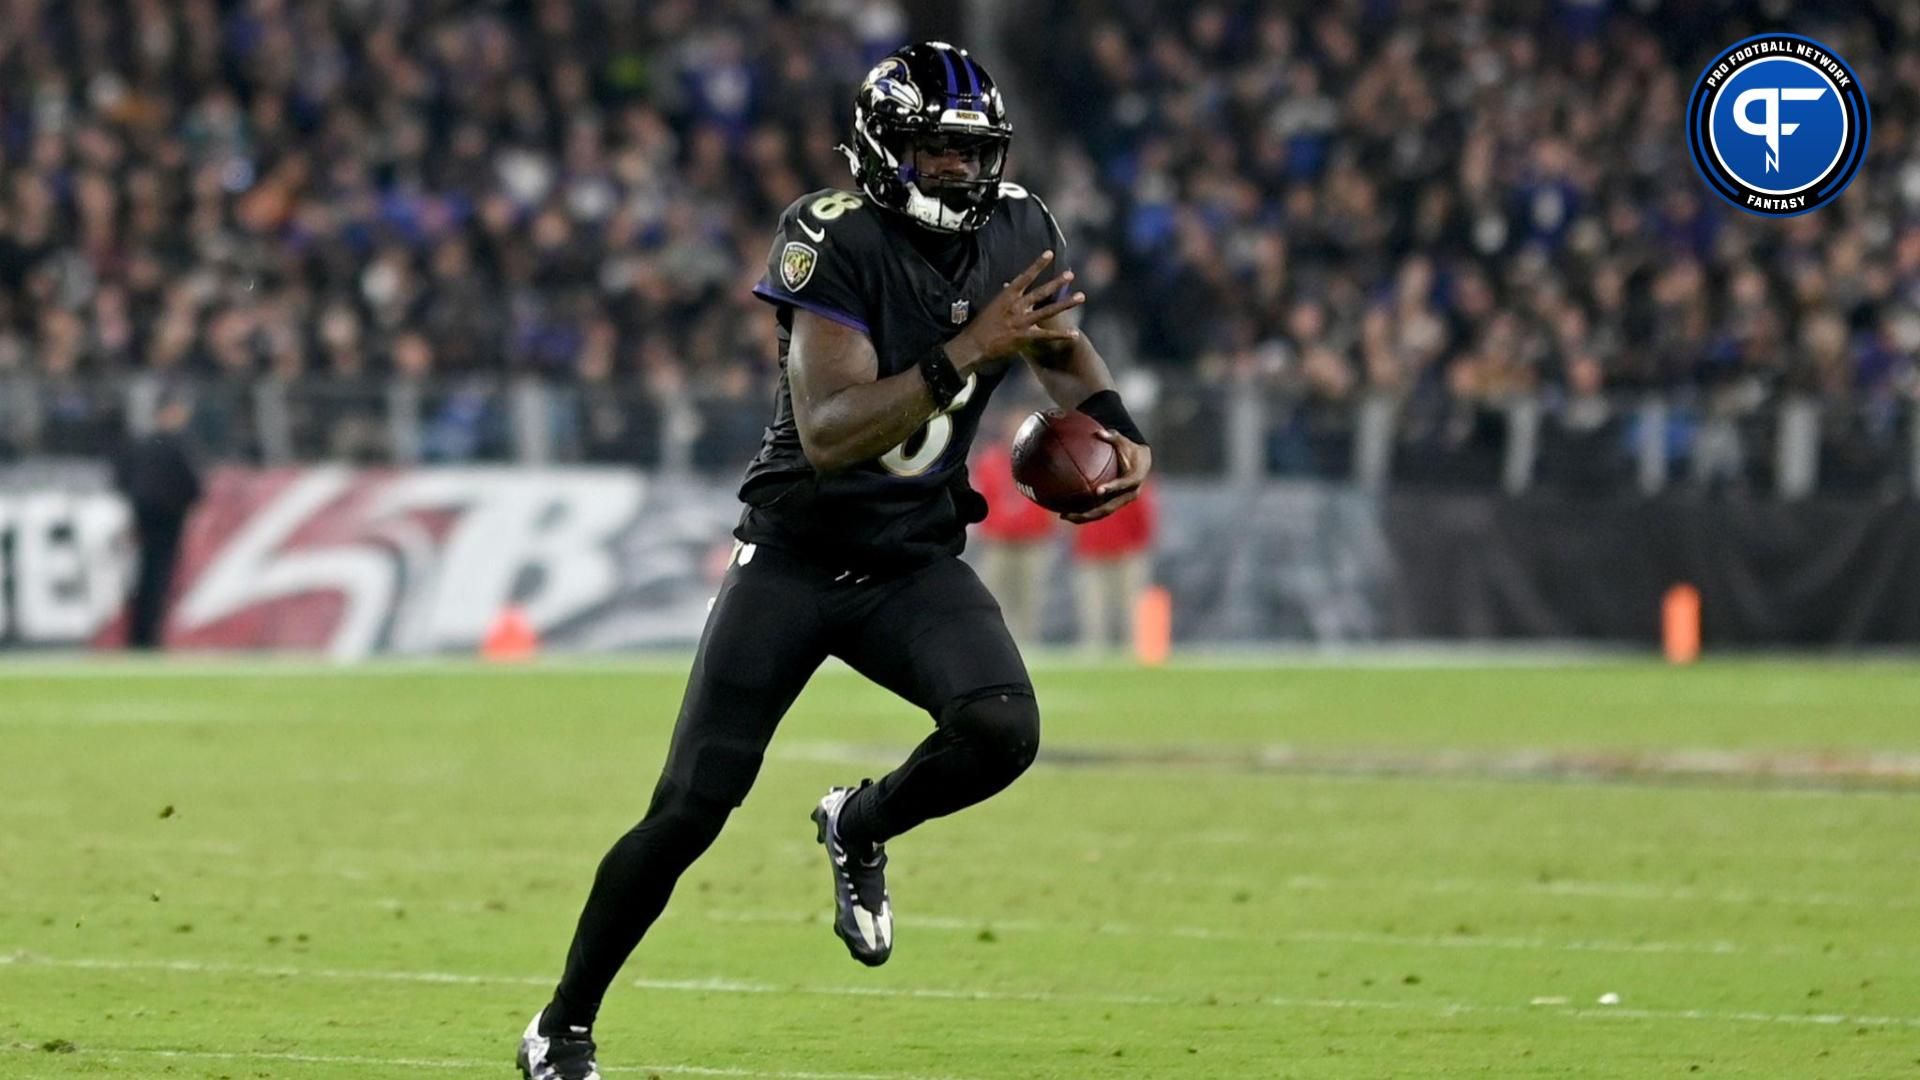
(1423,303)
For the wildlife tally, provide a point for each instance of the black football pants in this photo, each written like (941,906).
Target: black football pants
(934,636)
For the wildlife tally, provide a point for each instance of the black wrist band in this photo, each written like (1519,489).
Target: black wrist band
(943,381)
(1107,408)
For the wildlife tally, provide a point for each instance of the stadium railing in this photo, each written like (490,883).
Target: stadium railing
(1787,446)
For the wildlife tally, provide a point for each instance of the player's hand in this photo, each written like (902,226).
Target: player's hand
(1011,320)
(1136,461)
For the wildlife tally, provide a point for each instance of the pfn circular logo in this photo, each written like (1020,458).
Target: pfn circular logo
(1778,125)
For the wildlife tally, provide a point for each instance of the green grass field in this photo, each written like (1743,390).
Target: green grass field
(259,871)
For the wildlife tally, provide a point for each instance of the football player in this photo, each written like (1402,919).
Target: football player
(900,307)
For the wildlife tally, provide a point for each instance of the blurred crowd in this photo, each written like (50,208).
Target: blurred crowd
(1463,201)
(342,193)
(1455,202)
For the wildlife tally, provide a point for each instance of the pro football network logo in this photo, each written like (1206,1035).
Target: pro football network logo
(1778,125)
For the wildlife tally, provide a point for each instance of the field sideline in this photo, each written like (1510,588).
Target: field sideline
(1315,870)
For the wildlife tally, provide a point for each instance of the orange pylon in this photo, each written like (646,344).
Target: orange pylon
(1153,626)
(1680,624)
(511,637)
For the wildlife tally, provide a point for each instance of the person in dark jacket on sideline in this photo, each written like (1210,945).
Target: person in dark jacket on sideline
(160,482)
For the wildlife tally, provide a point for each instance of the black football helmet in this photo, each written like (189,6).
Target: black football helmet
(929,91)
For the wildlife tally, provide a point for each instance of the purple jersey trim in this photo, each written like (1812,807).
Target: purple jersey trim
(774,296)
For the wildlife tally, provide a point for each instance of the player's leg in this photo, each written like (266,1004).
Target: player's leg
(1090,603)
(937,639)
(159,539)
(1023,618)
(1003,569)
(939,642)
(1135,573)
(996,568)
(762,641)
(1038,570)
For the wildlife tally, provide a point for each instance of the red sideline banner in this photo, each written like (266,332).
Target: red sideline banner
(353,563)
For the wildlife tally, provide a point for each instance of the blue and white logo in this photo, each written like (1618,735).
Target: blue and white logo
(1778,125)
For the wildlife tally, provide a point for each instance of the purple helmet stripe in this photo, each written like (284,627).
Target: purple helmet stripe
(953,83)
(973,80)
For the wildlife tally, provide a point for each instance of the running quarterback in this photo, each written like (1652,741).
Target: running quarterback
(901,306)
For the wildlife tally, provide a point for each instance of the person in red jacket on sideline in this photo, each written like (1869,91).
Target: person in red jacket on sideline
(1112,567)
(1015,539)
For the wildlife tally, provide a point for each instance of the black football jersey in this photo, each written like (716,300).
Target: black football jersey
(840,257)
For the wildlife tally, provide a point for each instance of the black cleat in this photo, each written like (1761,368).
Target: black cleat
(863,917)
(557,1057)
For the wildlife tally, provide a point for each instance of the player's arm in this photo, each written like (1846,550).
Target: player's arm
(848,414)
(845,412)
(1069,371)
(1075,377)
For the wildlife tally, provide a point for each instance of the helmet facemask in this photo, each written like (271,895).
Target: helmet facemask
(953,179)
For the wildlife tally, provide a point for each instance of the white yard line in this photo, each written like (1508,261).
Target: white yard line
(912,920)
(457,1065)
(1606,1012)
(1571,889)
(1641,892)
(720,985)
(247,861)
(272,971)
(735,986)
(250,861)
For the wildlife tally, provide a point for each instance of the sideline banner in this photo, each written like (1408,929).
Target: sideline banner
(65,563)
(351,562)
(357,562)
(1819,572)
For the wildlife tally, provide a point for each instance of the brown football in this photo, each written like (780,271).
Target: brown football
(1059,459)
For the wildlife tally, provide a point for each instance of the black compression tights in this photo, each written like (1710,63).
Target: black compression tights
(982,743)
(629,892)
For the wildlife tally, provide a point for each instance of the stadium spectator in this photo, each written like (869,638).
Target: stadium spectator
(160,482)
(1113,565)
(1015,541)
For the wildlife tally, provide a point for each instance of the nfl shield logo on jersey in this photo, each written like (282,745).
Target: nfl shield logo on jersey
(959,311)
(796,265)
